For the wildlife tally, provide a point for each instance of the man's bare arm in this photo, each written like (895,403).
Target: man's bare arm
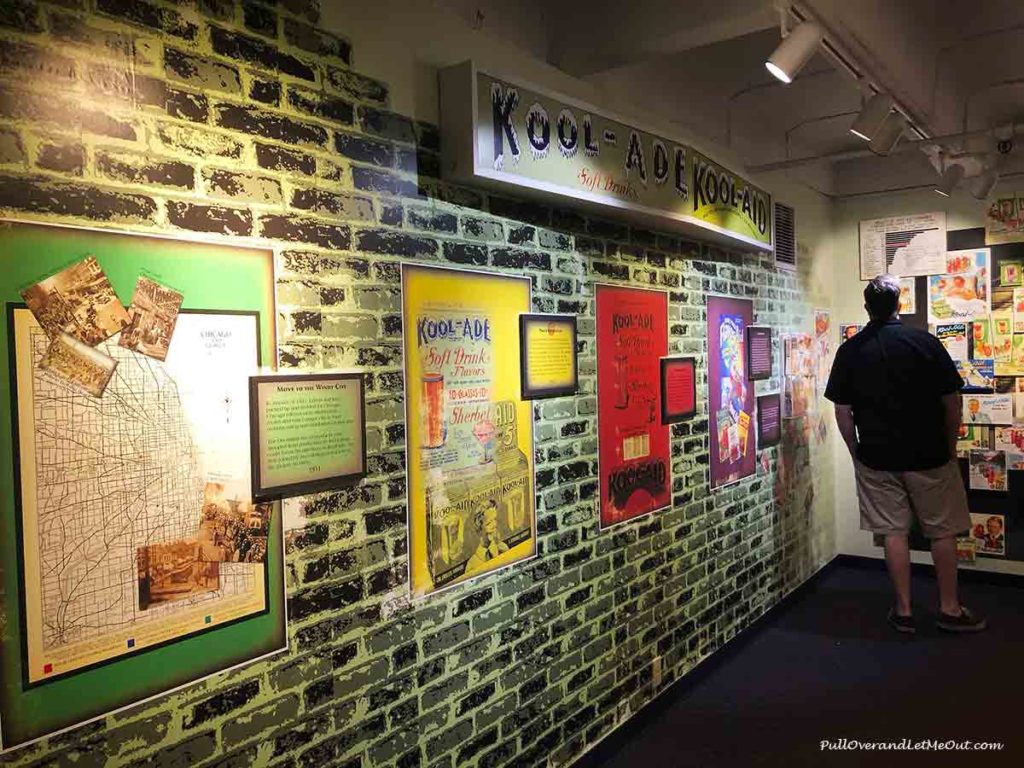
(952,408)
(844,420)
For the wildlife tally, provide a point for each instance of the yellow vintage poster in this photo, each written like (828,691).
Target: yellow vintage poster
(469,433)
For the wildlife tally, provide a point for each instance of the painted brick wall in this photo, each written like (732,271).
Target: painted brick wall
(243,118)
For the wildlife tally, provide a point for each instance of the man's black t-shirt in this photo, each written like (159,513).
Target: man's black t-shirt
(894,378)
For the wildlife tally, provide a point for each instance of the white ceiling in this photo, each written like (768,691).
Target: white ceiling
(953,65)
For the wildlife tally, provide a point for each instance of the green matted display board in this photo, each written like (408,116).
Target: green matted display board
(162,447)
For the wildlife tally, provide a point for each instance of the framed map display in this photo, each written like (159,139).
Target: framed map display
(134,560)
(469,432)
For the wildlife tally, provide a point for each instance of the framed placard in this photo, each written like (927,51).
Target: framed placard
(308,433)
(547,354)
(759,352)
(769,420)
(678,389)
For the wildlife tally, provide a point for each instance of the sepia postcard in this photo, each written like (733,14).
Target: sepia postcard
(80,301)
(79,365)
(173,571)
(232,529)
(153,313)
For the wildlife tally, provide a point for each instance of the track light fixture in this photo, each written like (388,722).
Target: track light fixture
(952,176)
(888,135)
(794,51)
(982,184)
(872,116)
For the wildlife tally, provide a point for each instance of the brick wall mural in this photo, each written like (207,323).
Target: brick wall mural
(246,119)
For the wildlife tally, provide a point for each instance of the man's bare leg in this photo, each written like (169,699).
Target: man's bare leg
(944,557)
(897,559)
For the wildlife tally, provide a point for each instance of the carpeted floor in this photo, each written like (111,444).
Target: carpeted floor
(827,666)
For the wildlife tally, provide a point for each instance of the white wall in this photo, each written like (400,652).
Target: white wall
(962,212)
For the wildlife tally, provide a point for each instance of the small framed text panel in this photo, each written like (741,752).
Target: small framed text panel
(547,348)
(769,420)
(308,433)
(759,352)
(678,389)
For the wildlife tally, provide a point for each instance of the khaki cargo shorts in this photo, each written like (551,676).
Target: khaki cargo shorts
(889,500)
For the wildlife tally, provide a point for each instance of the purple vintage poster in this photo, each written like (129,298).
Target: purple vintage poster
(730,394)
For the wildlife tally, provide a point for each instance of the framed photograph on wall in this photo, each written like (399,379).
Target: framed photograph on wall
(547,352)
(678,389)
(308,433)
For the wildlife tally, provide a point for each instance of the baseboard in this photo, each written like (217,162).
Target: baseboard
(600,751)
(967,575)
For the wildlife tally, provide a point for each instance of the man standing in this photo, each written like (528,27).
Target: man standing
(897,404)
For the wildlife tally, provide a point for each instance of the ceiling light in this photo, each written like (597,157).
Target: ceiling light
(794,51)
(982,184)
(873,116)
(888,135)
(952,176)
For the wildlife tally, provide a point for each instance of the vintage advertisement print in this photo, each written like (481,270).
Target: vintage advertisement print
(954,338)
(153,313)
(1004,222)
(987,470)
(469,432)
(848,331)
(633,445)
(989,534)
(962,292)
(80,301)
(731,395)
(971,437)
(78,365)
(82,591)
(988,409)
(908,296)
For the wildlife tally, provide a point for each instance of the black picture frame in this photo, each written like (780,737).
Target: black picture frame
(771,441)
(674,417)
(543,393)
(261,492)
(759,330)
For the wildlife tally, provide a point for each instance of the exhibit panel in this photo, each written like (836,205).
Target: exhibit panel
(119,450)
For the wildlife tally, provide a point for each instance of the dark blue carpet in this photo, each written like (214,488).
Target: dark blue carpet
(827,666)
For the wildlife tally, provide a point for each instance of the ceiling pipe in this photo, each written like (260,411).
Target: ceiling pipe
(810,121)
(986,89)
(773,83)
(906,146)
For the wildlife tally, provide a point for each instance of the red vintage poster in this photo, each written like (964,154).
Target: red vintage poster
(731,395)
(633,445)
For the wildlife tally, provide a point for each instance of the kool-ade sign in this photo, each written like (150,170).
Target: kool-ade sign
(500,133)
